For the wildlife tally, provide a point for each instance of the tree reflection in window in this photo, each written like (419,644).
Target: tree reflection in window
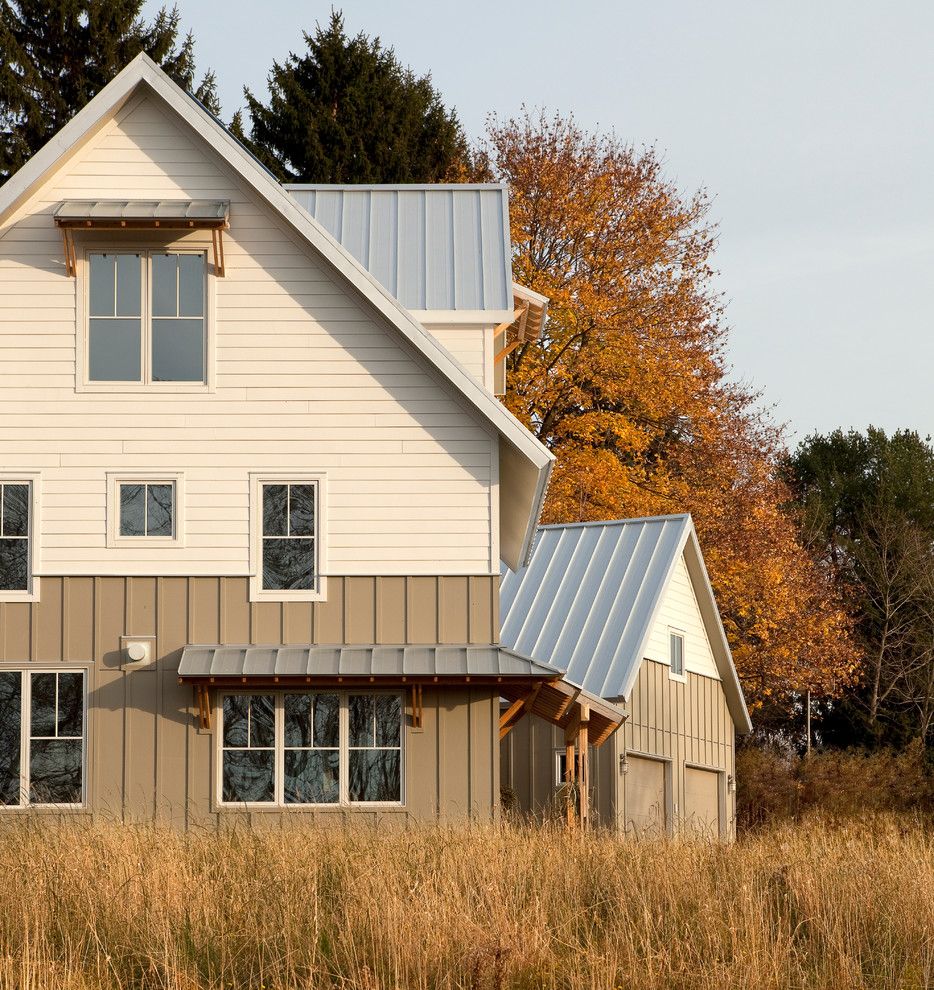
(56,737)
(249,755)
(374,772)
(288,537)
(14,537)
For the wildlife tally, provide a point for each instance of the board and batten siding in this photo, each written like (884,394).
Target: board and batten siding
(686,723)
(308,378)
(148,759)
(679,611)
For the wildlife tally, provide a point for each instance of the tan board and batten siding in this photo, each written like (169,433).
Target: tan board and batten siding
(307,379)
(683,723)
(146,755)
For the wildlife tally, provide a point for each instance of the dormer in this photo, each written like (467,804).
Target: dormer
(444,252)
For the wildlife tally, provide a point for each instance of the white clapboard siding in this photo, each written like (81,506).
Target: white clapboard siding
(679,611)
(308,379)
(471,345)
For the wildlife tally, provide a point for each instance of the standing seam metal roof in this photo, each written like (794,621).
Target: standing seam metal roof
(587,601)
(434,247)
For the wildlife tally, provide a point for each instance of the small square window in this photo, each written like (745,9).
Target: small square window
(676,653)
(144,510)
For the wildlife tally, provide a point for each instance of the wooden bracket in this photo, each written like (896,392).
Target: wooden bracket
(204,706)
(71,259)
(418,712)
(516,710)
(217,240)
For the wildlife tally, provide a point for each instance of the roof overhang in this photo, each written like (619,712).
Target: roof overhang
(561,703)
(525,468)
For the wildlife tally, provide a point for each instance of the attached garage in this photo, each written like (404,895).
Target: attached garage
(702,802)
(645,796)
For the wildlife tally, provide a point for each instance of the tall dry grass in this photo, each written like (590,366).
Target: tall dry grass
(486,907)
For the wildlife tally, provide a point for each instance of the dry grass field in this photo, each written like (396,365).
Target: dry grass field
(811,905)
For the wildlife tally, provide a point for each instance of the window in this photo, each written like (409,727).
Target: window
(316,748)
(146,317)
(144,510)
(287,542)
(676,653)
(41,737)
(561,766)
(14,536)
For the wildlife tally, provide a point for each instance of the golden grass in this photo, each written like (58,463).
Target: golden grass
(808,905)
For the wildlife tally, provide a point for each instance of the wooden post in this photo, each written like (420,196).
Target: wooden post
(571,732)
(582,744)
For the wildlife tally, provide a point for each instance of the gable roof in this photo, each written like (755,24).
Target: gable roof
(525,464)
(439,249)
(590,595)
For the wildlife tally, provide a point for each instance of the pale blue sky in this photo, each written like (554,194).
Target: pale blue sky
(808,123)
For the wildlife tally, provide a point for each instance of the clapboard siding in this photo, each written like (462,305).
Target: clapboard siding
(679,610)
(82,618)
(308,378)
(471,345)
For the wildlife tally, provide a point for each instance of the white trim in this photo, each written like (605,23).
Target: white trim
(23,670)
(674,631)
(471,317)
(278,747)
(320,480)
(33,479)
(117,478)
(145,246)
(142,70)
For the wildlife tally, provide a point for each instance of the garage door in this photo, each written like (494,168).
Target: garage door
(645,799)
(702,802)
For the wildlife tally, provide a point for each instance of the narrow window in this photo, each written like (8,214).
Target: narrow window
(312,749)
(146,317)
(249,754)
(561,767)
(46,709)
(147,509)
(677,654)
(178,317)
(14,537)
(115,309)
(375,747)
(288,542)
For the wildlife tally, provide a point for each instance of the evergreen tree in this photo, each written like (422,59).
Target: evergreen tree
(348,111)
(55,56)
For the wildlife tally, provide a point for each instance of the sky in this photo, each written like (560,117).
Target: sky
(808,124)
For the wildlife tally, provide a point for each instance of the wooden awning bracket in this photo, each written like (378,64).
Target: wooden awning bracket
(418,712)
(68,227)
(203,693)
(516,710)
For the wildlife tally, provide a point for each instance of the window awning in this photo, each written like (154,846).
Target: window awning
(143,214)
(334,664)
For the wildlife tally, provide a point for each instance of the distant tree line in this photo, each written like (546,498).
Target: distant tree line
(821,559)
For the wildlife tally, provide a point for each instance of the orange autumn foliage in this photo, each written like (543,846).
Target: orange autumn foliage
(628,386)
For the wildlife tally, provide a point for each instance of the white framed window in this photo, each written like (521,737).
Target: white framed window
(19,515)
(43,715)
(145,509)
(288,548)
(147,320)
(313,748)
(676,653)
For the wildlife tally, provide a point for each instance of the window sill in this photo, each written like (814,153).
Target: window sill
(295,809)
(257,594)
(21,596)
(137,388)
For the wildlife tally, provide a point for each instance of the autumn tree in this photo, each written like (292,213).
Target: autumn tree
(628,386)
(347,110)
(55,56)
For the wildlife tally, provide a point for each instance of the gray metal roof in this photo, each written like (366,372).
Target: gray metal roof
(587,601)
(434,247)
(358,661)
(143,209)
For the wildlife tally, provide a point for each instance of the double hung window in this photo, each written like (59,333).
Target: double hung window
(147,317)
(15,556)
(311,748)
(676,653)
(42,731)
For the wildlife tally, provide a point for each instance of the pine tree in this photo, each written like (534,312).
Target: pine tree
(55,56)
(348,111)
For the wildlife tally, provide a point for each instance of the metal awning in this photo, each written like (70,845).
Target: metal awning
(303,664)
(143,214)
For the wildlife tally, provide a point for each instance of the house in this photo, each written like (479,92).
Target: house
(255,484)
(626,609)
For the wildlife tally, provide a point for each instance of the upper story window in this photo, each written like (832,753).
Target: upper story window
(144,509)
(676,653)
(17,538)
(288,538)
(147,317)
